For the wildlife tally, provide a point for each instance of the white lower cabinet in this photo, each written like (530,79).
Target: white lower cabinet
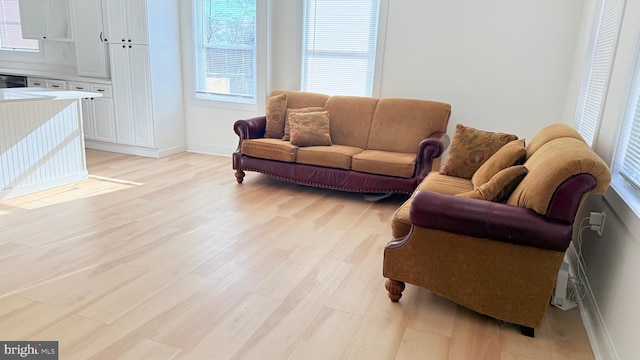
(97,113)
(132,93)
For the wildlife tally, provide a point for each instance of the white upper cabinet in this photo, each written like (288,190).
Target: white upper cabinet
(45,20)
(91,51)
(127,22)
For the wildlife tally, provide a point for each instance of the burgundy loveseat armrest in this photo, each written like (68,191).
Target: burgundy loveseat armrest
(250,129)
(490,220)
(429,149)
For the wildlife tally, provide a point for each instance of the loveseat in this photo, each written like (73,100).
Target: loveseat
(368,145)
(496,246)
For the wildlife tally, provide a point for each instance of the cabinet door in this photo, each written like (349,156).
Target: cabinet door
(57,20)
(116,17)
(32,19)
(137,21)
(91,54)
(87,109)
(127,21)
(122,93)
(45,20)
(141,95)
(103,119)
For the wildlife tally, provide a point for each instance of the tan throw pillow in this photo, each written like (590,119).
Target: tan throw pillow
(286,136)
(514,153)
(310,129)
(275,112)
(500,186)
(470,148)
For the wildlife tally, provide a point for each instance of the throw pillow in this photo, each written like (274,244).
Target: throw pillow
(513,153)
(500,186)
(287,136)
(470,148)
(310,129)
(275,113)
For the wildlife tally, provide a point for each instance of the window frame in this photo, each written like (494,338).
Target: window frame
(625,191)
(222,100)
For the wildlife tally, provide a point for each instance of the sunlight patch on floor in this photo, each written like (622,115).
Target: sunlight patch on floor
(93,186)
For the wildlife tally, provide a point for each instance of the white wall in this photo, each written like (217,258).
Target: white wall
(503,65)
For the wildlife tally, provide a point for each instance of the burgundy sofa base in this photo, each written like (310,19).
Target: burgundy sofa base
(337,179)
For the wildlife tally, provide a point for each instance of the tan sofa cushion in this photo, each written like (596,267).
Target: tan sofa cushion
(334,156)
(302,99)
(553,163)
(351,119)
(508,155)
(310,129)
(287,130)
(273,149)
(275,114)
(551,132)
(500,186)
(401,223)
(384,163)
(399,125)
(470,148)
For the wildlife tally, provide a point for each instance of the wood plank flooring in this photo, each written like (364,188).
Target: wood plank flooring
(171,259)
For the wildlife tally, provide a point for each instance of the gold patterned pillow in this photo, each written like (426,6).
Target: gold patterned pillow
(275,113)
(310,129)
(470,148)
(287,136)
(500,186)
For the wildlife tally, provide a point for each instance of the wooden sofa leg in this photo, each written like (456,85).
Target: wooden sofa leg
(395,288)
(527,331)
(239,176)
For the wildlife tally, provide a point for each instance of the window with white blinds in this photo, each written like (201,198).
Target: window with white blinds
(339,46)
(627,159)
(596,79)
(225,49)
(10,31)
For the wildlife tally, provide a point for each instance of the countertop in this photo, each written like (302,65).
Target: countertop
(53,75)
(36,94)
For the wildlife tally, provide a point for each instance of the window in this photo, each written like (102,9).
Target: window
(596,80)
(225,49)
(339,46)
(10,31)
(626,166)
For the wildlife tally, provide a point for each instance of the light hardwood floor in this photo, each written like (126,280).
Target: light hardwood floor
(171,259)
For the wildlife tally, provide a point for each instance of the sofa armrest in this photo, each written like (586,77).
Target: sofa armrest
(486,219)
(429,149)
(249,129)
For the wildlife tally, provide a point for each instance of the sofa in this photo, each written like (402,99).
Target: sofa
(496,246)
(368,145)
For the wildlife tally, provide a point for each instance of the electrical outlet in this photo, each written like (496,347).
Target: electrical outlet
(596,220)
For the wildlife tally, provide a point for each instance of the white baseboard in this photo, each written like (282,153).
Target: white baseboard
(599,338)
(134,150)
(209,149)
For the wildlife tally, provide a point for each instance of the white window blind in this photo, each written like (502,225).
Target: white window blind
(339,46)
(627,160)
(596,80)
(10,31)
(225,49)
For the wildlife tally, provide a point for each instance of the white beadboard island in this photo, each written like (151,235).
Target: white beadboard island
(41,141)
